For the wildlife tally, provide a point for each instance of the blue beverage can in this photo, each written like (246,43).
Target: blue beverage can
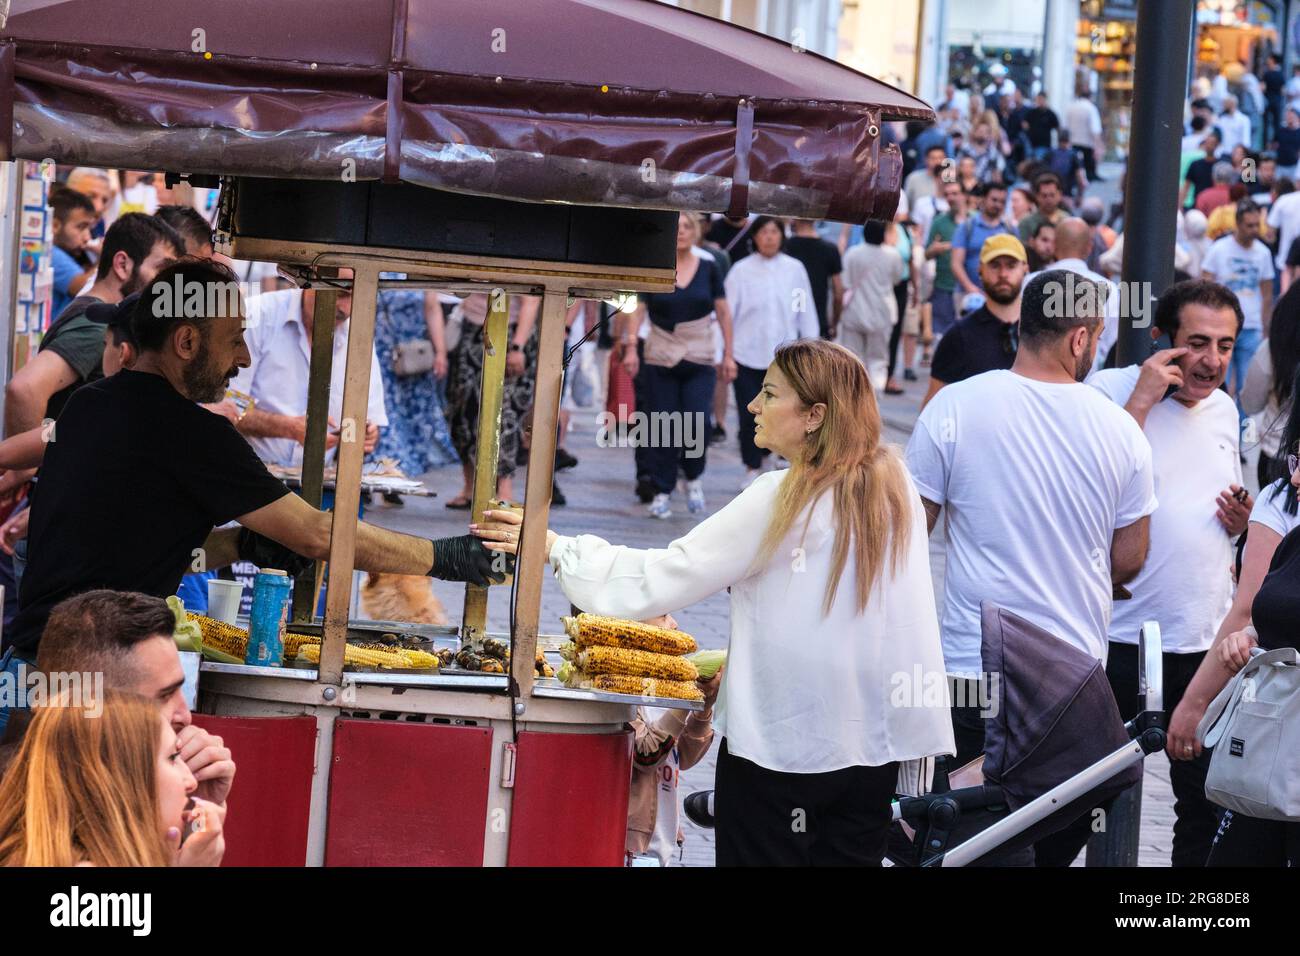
(266,623)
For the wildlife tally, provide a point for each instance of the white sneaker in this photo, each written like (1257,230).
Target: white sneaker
(659,507)
(694,497)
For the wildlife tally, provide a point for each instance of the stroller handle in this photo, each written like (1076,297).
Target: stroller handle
(1151,690)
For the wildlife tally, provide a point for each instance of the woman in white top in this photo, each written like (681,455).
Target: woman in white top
(771,303)
(1275,515)
(834,634)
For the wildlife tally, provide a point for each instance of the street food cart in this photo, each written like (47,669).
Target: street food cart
(513,148)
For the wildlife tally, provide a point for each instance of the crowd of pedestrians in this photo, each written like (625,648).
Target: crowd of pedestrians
(1085,497)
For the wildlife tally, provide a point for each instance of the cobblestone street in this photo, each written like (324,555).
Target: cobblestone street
(601,501)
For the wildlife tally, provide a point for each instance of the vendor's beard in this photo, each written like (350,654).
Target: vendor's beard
(134,284)
(203,382)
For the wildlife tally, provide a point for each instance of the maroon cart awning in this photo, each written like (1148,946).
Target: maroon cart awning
(616,102)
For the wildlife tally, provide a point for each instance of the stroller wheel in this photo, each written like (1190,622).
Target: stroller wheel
(698,807)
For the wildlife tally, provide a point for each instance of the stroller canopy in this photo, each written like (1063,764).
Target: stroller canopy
(1054,715)
(612,103)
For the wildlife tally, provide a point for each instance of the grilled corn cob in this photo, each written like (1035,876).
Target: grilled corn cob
(414,658)
(491,665)
(356,656)
(222,636)
(636,686)
(421,659)
(599,659)
(294,641)
(588,629)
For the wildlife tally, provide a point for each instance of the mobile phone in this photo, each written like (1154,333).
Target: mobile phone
(1159,345)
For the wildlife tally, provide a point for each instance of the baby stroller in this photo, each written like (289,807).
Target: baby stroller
(1054,748)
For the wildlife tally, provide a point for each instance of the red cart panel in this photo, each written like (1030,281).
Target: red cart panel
(266,819)
(408,794)
(582,778)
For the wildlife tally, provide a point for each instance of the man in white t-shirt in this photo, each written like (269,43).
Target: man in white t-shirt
(1083,122)
(1235,126)
(1046,487)
(1284,218)
(1185,585)
(279,331)
(1243,264)
(871,270)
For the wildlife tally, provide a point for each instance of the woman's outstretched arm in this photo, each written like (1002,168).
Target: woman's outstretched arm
(619,581)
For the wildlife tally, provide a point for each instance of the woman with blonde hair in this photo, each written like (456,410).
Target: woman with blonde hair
(833,620)
(104,788)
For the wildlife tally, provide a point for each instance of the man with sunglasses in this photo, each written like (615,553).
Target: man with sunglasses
(1185,585)
(987,338)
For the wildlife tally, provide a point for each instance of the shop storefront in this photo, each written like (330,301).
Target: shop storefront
(1104,48)
(1231,32)
(1232,37)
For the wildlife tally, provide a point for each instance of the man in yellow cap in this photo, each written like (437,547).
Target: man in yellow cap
(986,339)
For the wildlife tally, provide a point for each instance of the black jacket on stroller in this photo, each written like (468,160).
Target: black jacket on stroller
(1055,746)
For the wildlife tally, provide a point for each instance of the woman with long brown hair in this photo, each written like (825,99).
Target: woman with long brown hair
(104,787)
(834,637)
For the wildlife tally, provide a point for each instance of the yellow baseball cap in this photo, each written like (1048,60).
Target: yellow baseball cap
(1003,244)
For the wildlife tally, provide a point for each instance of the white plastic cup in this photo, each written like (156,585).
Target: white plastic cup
(223,599)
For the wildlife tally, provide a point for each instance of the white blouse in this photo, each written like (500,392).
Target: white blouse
(801,693)
(771,303)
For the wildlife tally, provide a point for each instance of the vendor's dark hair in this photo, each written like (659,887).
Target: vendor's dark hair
(1050,305)
(65,201)
(95,631)
(136,234)
(188,222)
(1205,292)
(1290,435)
(156,314)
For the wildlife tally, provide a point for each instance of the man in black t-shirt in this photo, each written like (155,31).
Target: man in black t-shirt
(821,260)
(140,475)
(135,248)
(1040,123)
(1200,174)
(986,339)
(733,236)
(1274,87)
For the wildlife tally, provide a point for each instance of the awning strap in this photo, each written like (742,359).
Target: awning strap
(740,172)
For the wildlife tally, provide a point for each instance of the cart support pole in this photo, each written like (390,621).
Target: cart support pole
(347,485)
(487,455)
(537,500)
(305,587)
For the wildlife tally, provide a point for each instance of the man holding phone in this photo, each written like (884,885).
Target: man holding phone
(1185,584)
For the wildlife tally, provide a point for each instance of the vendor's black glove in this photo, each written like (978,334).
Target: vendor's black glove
(465,559)
(266,553)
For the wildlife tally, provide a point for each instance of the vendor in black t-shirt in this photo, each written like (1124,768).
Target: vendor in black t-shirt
(140,476)
(987,338)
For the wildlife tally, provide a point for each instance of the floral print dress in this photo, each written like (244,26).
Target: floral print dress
(417,434)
